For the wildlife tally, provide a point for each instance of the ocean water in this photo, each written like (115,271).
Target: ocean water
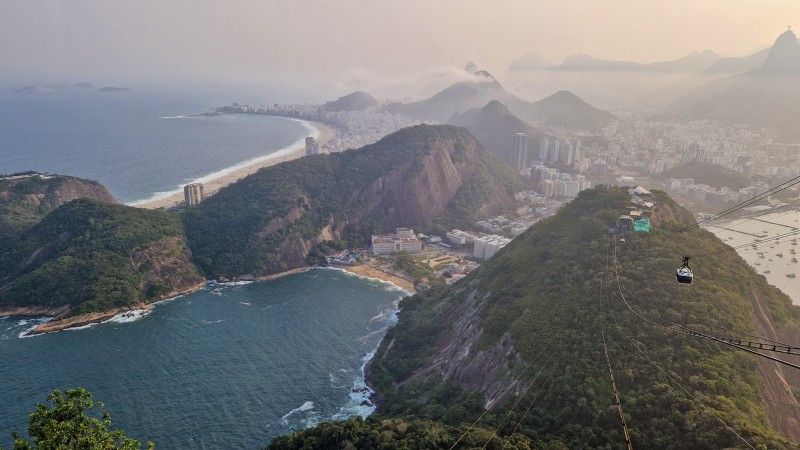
(230,366)
(772,258)
(140,145)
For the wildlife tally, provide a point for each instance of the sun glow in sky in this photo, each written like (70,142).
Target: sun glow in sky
(344,42)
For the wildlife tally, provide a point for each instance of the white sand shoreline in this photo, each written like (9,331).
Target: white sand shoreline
(217,180)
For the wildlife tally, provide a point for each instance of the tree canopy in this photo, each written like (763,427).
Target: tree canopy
(68,421)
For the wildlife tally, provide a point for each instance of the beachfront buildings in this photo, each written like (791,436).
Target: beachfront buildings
(403,240)
(313,147)
(193,194)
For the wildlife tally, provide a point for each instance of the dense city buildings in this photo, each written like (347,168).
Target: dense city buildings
(355,129)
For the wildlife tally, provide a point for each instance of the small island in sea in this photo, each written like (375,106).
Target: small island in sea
(113,89)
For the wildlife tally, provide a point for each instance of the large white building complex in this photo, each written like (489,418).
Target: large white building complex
(404,240)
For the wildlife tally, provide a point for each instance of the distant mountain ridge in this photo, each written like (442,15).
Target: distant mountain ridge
(567,110)
(494,125)
(693,62)
(562,109)
(765,97)
(356,101)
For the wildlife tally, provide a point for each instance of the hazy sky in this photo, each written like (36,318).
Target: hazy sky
(338,45)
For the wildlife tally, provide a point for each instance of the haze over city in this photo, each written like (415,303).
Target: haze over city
(368,224)
(314,50)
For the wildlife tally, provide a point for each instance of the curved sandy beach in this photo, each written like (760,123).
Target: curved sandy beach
(326,133)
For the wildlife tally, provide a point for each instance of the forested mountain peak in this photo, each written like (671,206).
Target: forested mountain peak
(532,319)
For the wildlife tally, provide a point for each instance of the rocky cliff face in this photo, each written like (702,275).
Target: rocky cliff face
(415,191)
(268,222)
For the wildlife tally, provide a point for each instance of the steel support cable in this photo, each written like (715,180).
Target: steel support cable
(494,402)
(616,394)
(680,328)
(757,241)
(746,203)
(756,215)
(533,401)
(680,385)
(752,344)
(524,392)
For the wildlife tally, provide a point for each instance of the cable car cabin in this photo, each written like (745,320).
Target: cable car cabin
(684,273)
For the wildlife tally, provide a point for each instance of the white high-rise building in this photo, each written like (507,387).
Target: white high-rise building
(193,194)
(519,151)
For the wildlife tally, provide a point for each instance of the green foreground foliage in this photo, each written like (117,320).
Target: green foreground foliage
(66,422)
(544,300)
(409,434)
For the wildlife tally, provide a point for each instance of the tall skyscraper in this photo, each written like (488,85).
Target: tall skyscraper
(519,151)
(193,194)
(555,151)
(544,147)
(309,145)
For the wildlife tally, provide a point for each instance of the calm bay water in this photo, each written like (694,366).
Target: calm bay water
(775,259)
(137,144)
(227,367)
(230,366)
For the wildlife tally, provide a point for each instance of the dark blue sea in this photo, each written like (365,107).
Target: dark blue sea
(230,366)
(140,145)
(227,367)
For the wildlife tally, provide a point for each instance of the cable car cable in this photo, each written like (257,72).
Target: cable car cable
(778,343)
(744,204)
(496,400)
(682,329)
(616,393)
(680,385)
(524,392)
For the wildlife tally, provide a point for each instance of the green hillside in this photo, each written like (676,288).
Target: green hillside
(25,198)
(89,256)
(536,311)
(269,221)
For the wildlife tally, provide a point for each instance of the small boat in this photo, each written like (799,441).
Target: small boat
(766,271)
(790,275)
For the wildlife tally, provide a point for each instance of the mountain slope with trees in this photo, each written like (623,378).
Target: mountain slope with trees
(25,198)
(421,177)
(536,312)
(88,256)
(494,126)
